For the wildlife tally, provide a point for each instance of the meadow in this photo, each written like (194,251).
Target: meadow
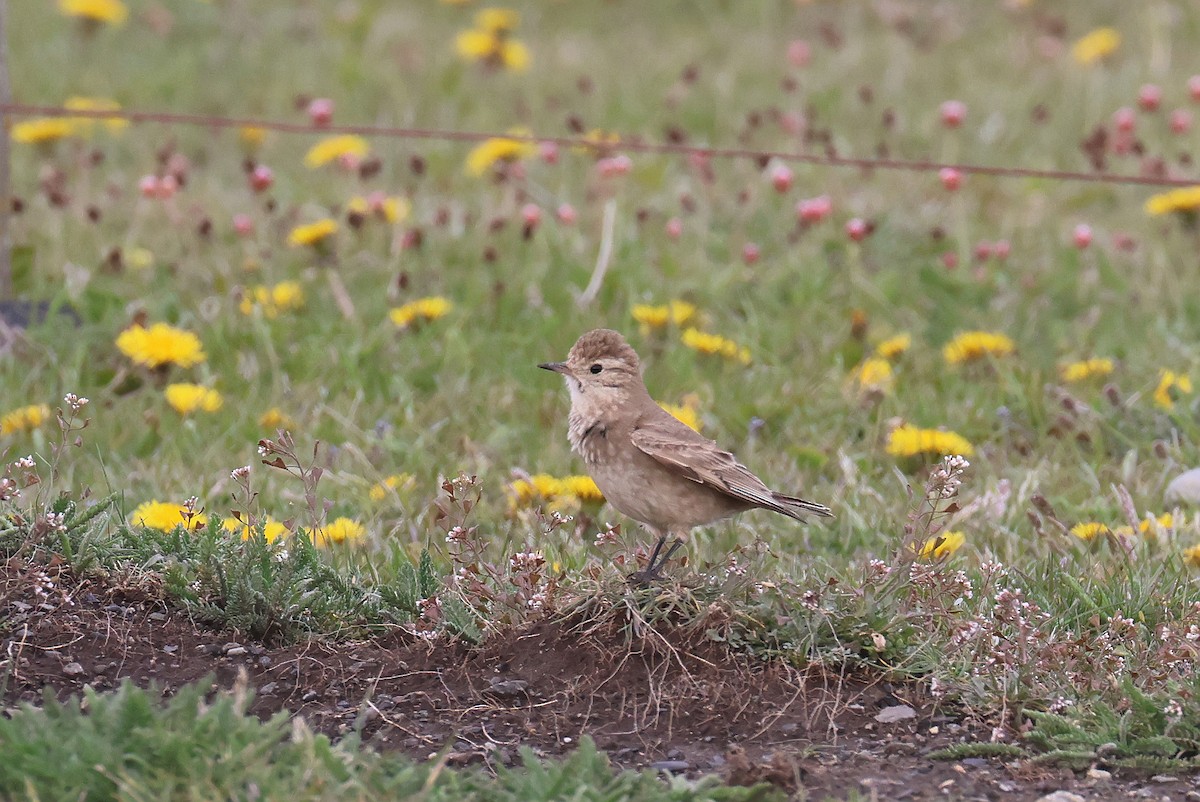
(309,357)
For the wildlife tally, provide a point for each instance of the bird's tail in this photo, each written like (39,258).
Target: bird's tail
(797,507)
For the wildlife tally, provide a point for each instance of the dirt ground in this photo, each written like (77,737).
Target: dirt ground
(650,701)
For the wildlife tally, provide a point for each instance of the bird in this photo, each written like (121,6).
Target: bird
(649,465)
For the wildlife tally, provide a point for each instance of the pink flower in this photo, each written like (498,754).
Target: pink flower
(167,187)
(1082,236)
(548,152)
(950,260)
(1193,86)
(261,178)
(566,214)
(1001,248)
(1124,119)
(148,186)
(1181,121)
(791,122)
(750,253)
(614,165)
(953,113)
(983,251)
(951,178)
(799,53)
(781,177)
(320,111)
(1149,97)
(814,210)
(531,213)
(243,225)
(674,228)
(857,229)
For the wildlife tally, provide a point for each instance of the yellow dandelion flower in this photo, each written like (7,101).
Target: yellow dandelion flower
(381,490)
(252,136)
(42,130)
(943,545)
(1184,199)
(113,12)
(715,344)
(186,398)
(909,441)
(873,374)
(598,142)
(286,296)
(491,41)
(684,413)
(389,209)
(499,150)
(139,258)
(336,147)
(675,313)
(1171,385)
(1089,529)
(969,346)
(540,486)
(24,419)
(582,488)
(1087,369)
(496,20)
(1191,556)
(312,234)
(161,345)
(420,310)
(274,418)
(1151,528)
(564,492)
(1096,45)
(893,347)
(84,125)
(165,516)
(272,529)
(342,530)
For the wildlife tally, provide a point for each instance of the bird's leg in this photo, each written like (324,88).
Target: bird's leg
(653,570)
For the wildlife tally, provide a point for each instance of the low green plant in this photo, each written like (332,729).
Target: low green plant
(126,745)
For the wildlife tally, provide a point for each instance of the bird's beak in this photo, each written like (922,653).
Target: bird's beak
(557,367)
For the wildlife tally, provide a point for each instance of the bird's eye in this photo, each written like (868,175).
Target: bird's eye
(596,368)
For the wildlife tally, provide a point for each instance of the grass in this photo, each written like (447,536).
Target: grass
(461,395)
(126,745)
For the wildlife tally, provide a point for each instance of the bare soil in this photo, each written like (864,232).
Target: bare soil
(669,701)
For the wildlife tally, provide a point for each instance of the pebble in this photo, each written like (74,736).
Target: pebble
(171,648)
(228,647)
(890,715)
(670,765)
(236,651)
(157,616)
(309,696)
(1061,796)
(72,669)
(1099,774)
(267,689)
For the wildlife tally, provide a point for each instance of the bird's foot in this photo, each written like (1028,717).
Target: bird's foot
(653,571)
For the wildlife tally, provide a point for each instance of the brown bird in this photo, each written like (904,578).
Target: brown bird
(649,465)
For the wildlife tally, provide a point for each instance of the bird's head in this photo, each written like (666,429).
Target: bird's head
(601,366)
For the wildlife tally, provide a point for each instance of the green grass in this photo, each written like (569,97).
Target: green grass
(462,394)
(128,745)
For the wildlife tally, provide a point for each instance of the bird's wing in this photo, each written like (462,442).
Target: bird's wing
(681,449)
